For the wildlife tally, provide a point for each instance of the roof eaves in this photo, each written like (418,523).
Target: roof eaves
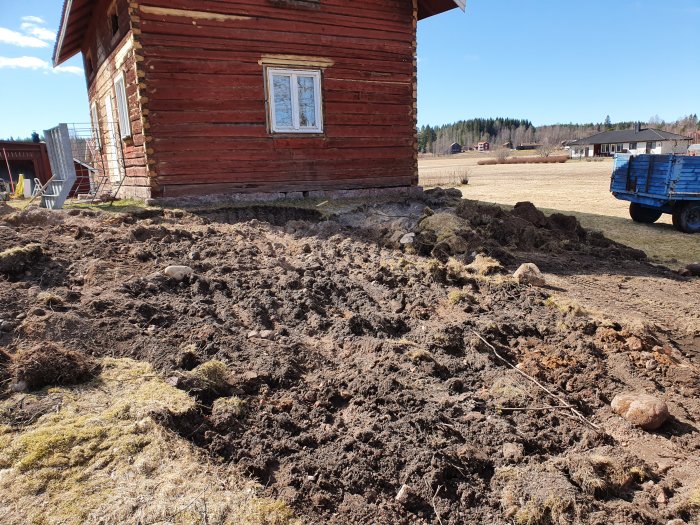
(67,5)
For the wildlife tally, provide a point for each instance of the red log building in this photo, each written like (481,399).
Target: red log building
(220,96)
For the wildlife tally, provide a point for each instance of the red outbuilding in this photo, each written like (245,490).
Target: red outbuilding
(194,97)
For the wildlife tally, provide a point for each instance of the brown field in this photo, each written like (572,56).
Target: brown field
(580,188)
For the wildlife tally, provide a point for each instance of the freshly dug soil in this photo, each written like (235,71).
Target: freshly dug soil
(477,227)
(48,364)
(359,388)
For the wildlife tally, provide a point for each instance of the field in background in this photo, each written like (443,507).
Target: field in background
(580,188)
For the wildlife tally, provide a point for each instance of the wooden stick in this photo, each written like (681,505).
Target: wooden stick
(525,409)
(9,171)
(40,193)
(551,394)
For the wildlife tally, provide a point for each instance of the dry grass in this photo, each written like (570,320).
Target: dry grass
(577,188)
(214,374)
(449,178)
(537,495)
(100,458)
(606,471)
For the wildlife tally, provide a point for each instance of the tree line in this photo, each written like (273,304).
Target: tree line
(501,131)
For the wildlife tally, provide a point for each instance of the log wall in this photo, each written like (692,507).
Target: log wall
(113,55)
(203,93)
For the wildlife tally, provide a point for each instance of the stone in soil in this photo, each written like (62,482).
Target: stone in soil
(529,273)
(642,410)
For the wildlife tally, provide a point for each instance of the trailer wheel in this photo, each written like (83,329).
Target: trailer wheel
(686,217)
(643,214)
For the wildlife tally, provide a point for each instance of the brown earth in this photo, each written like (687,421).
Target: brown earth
(358,368)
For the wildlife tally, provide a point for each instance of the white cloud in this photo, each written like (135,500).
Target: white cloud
(23,63)
(34,33)
(34,20)
(38,32)
(73,70)
(37,64)
(7,36)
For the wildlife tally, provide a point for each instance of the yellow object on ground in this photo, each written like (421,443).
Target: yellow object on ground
(19,188)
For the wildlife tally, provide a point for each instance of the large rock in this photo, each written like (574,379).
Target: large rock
(179,273)
(407,239)
(642,410)
(529,273)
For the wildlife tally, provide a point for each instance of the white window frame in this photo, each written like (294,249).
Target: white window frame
(122,107)
(293,74)
(95,117)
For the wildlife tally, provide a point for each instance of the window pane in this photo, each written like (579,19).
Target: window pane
(282,92)
(307,102)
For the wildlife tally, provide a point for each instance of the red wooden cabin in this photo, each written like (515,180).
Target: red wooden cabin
(220,96)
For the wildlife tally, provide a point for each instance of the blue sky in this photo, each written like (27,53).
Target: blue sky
(546,60)
(557,61)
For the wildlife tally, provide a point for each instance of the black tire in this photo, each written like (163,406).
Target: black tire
(686,217)
(643,214)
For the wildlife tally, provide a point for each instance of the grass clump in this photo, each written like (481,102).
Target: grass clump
(214,374)
(456,297)
(507,392)
(227,410)
(420,355)
(49,299)
(538,495)
(606,471)
(50,365)
(485,265)
(94,459)
(18,259)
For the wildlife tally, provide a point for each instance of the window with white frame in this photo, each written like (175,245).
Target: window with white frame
(122,107)
(95,126)
(294,98)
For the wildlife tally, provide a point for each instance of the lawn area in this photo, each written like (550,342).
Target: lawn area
(578,188)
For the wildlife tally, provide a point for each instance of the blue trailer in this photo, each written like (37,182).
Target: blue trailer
(657,184)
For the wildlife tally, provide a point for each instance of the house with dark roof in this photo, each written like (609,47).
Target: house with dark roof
(636,141)
(202,97)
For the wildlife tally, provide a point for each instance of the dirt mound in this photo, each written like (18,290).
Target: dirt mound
(340,373)
(442,197)
(277,215)
(33,217)
(474,227)
(5,209)
(50,365)
(16,260)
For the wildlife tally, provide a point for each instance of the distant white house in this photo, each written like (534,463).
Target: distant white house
(635,141)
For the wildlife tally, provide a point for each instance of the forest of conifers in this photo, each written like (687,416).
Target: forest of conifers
(499,131)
